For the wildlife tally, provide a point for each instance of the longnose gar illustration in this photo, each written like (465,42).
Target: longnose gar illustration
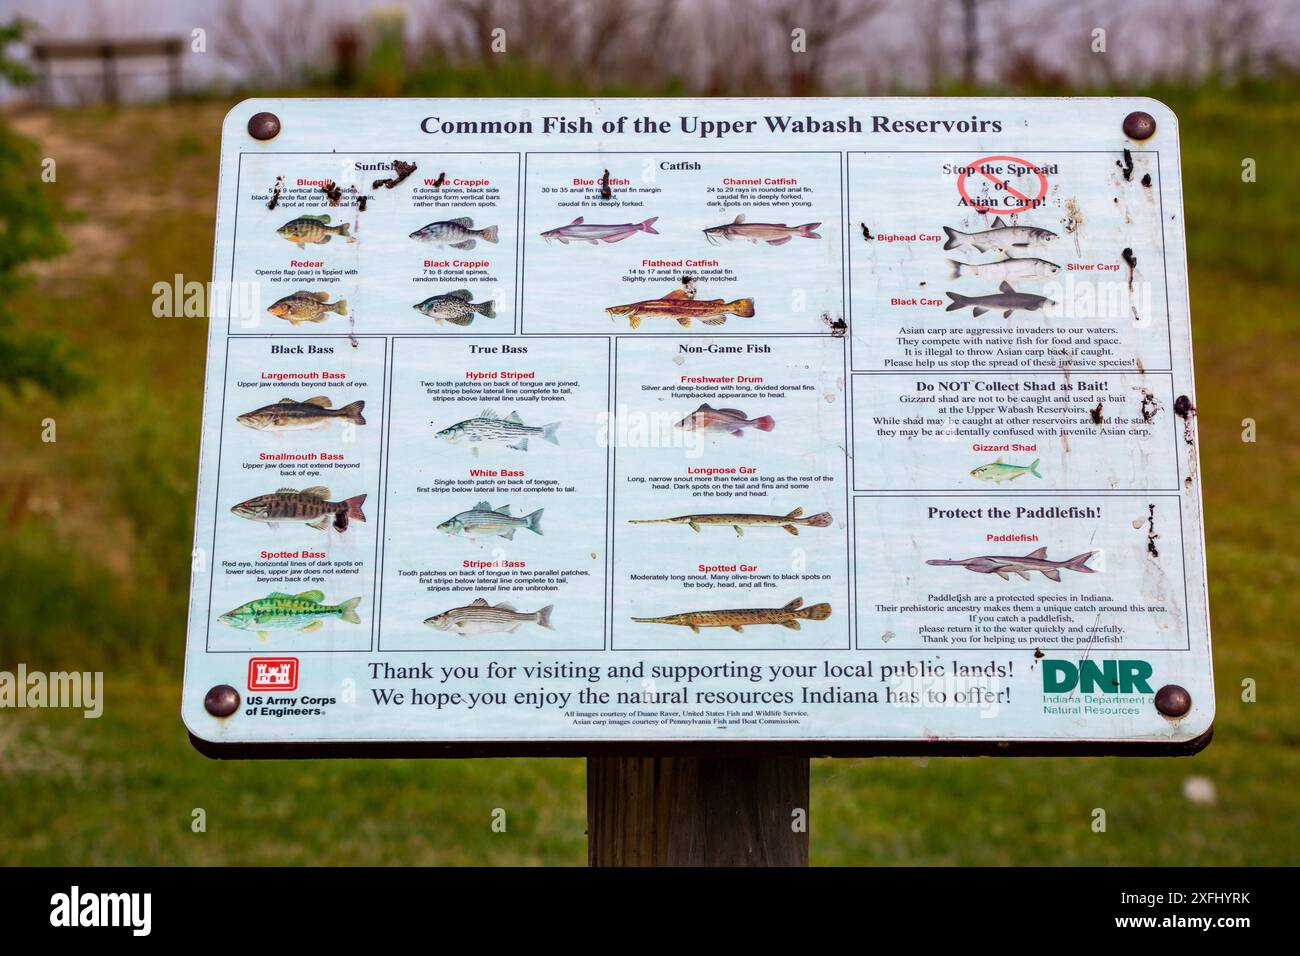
(787,616)
(740,521)
(1002,565)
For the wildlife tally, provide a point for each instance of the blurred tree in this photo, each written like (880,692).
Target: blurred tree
(29,217)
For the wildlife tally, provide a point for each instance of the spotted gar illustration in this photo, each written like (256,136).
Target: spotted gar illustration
(788,616)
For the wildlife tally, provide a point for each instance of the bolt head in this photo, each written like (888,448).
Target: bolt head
(1173,701)
(221,701)
(263,126)
(1139,125)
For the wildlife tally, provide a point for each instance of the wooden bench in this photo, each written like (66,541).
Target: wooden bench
(109,53)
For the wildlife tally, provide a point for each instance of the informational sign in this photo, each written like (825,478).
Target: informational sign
(822,425)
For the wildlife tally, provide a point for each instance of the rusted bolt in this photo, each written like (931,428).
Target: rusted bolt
(1182,406)
(1139,125)
(264,126)
(1173,701)
(221,701)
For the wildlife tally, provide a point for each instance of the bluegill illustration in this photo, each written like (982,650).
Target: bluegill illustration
(313,229)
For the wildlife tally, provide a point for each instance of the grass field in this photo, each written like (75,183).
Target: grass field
(97,533)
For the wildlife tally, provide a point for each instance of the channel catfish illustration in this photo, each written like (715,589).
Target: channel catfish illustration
(773,233)
(1006,300)
(999,238)
(592,232)
(1004,566)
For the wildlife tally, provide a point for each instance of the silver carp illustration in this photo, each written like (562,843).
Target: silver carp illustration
(1003,269)
(1006,300)
(1004,566)
(488,429)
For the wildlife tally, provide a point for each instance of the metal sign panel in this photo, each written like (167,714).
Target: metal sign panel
(826,425)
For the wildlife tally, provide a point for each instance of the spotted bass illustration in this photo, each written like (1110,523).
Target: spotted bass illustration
(1006,299)
(289,415)
(706,418)
(774,234)
(788,616)
(1004,566)
(457,233)
(999,471)
(742,521)
(298,612)
(313,229)
(483,519)
(681,306)
(487,429)
(307,307)
(480,617)
(999,238)
(310,506)
(580,231)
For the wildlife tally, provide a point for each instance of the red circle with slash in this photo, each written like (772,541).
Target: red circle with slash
(1029,201)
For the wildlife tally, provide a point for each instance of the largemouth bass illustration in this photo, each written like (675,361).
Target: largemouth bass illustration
(307,307)
(788,616)
(480,617)
(682,306)
(1006,299)
(774,234)
(456,307)
(999,238)
(299,612)
(289,415)
(1004,566)
(999,471)
(483,519)
(580,231)
(314,229)
(742,521)
(487,429)
(1003,269)
(706,418)
(457,233)
(311,506)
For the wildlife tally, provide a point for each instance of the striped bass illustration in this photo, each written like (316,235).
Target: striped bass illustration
(311,505)
(488,429)
(788,616)
(483,519)
(289,415)
(742,521)
(480,617)
(1003,566)
(298,612)
(682,306)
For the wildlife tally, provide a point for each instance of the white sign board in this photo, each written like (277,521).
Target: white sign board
(835,425)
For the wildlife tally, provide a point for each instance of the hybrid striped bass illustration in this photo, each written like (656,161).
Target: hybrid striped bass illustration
(311,506)
(313,229)
(483,519)
(580,231)
(774,234)
(999,471)
(298,612)
(999,238)
(479,617)
(487,429)
(289,415)
(738,619)
(682,306)
(742,521)
(1004,566)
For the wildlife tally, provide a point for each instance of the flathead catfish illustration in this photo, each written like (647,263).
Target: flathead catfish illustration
(313,229)
(279,611)
(488,429)
(706,418)
(479,617)
(737,618)
(1004,566)
(1003,269)
(742,521)
(999,238)
(457,233)
(1006,300)
(311,506)
(289,415)
(999,471)
(682,306)
(483,519)
(580,231)
(774,234)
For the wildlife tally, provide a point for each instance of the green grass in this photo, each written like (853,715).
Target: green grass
(96,556)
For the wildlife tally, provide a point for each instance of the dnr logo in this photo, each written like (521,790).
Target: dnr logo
(1097,677)
(273,673)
